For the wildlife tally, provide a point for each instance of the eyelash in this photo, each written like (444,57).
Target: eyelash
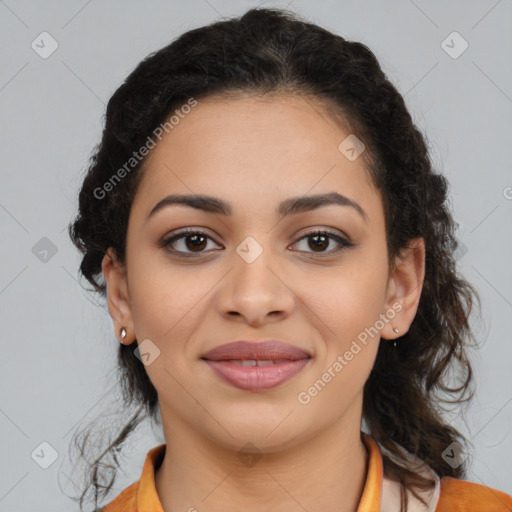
(345,244)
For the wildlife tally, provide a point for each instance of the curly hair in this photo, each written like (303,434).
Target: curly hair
(273,50)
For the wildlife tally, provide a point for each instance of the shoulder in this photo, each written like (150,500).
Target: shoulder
(124,502)
(461,496)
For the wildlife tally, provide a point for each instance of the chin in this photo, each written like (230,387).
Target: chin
(257,434)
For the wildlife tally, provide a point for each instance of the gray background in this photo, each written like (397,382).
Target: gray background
(59,350)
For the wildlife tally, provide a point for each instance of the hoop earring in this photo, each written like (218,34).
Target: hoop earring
(396,331)
(123,334)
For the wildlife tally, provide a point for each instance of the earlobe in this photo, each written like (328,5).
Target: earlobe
(404,288)
(117,293)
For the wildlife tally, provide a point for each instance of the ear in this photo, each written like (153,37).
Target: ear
(404,289)
(118,295)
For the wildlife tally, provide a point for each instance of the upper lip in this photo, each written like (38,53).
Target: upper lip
(266,350)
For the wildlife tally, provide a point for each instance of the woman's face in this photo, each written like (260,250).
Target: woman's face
(255,274)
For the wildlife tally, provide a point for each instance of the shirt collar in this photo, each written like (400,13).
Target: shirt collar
(147,498)
(372,490)
(379,492)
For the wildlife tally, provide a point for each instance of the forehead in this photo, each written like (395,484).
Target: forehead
(254,148)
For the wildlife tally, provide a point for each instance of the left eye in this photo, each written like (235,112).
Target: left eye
(321,238)
(198,240)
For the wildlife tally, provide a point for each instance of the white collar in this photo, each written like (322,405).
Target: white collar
(390,495)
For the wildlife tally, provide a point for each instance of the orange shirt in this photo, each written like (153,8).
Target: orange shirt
(380,494)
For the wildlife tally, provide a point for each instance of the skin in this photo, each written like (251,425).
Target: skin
(255,153)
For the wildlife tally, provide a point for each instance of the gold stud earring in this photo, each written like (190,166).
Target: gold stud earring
(123,335)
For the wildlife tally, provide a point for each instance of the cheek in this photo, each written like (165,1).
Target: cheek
(165,299)
(346,310)
(167,308)
(342,302)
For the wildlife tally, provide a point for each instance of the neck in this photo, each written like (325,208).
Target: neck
(327,472)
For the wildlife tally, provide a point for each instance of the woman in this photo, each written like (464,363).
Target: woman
(278,260)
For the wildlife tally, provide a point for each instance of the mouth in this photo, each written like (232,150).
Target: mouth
(254,362)
(256,366)
(263,351)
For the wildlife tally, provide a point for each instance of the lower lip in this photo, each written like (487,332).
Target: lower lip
(257,378)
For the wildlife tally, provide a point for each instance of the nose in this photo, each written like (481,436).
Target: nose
(257,288)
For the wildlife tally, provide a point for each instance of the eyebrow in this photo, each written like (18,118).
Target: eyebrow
(291,206)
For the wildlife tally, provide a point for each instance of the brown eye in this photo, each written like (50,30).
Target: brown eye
(196,242)
(320,241)
(189,242)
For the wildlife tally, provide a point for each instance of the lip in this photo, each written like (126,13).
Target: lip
(225,362)
(261,350)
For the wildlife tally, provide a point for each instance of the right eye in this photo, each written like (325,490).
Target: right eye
(190,239)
